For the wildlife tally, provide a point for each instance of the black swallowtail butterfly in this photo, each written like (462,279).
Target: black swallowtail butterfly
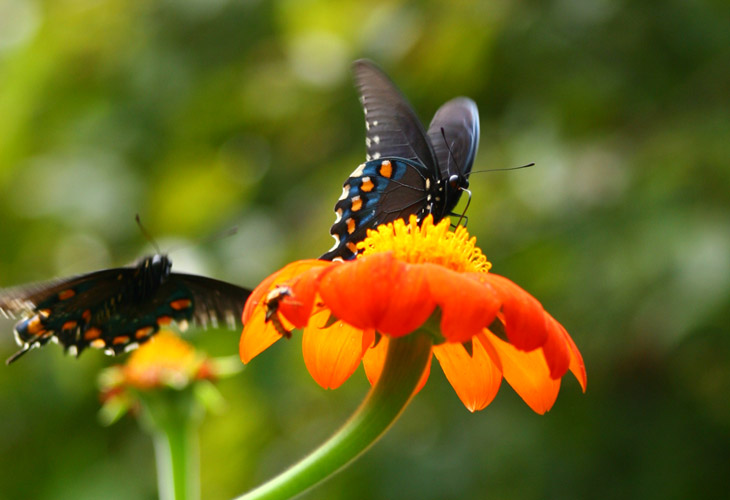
(117,309)
(408,170)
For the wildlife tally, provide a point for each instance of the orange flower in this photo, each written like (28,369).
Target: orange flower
(410,277)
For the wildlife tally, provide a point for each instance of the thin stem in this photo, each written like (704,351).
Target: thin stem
(404,364)
(176,455)
(172,417)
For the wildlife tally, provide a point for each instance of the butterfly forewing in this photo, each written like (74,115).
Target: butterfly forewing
(214,301)
(392,127)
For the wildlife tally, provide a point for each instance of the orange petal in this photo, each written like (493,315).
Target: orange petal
(577,367)
(377,292)
(279,277)
(333,353)
(524,317)
(556,350)
(467,304)
(257,335)
(476,379)
(374,360)
(297,307)
(527,373)
(409,303)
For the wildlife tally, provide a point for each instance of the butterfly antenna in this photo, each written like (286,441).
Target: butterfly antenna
(146,233)
(451,153)
(468,200)
(458,169)
(532,164)
(18,354)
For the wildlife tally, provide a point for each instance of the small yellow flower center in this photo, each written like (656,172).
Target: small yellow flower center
(431,243)
(165,358)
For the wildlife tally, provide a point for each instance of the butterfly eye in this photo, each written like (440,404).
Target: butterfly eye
(458,182)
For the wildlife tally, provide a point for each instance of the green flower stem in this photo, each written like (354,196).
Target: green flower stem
(171,419)
(404,364)
(176,455)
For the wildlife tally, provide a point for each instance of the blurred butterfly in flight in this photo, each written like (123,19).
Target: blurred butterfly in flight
(408,170)
(117,309)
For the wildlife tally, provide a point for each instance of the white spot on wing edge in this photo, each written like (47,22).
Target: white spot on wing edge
(131,346)
(345,192)
(337,242)
(358,171)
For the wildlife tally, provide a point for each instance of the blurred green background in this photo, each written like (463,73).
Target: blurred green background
(207,114)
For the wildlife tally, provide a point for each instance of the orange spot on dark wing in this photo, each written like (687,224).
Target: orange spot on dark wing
(69,325)
(144,332)
(367,185)
(351,226)
(44,313)
(34,325)
(356,203)
(181,304)
(352,247)
(86,315)
(164,320)
(386,169)
(66,294)
(92,333)
(122,339)
(98,344)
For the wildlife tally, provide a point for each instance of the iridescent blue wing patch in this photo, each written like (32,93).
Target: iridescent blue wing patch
(377,192)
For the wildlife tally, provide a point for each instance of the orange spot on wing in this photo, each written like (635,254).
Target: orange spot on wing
(144,332)
(98,344)
(69,325)
(367,185)
(164,320)
(350,226)
(356,203)
(66,294)
(92,333)
(123,339)
(352,247)
(386,169)
(181,304)
(86,315)
(34,325)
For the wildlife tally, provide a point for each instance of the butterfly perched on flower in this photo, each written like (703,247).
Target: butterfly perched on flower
(408,170)
(117,309)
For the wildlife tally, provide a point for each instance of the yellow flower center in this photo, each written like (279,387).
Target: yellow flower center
(427,243)
(164,359)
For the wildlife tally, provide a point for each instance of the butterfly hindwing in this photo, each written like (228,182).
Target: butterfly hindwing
(456,121)
(377,192)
